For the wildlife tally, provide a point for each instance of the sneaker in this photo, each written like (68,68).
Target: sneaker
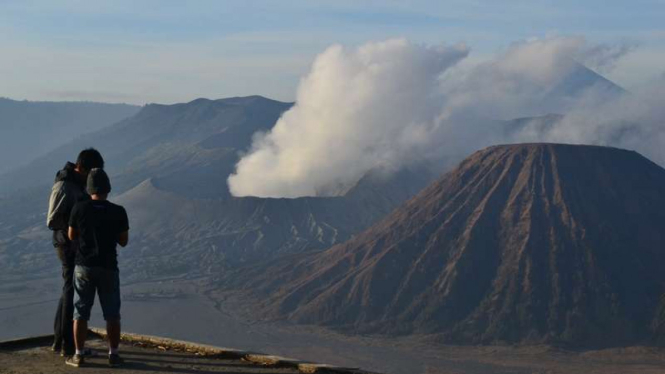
(87,352)
(75,360)
(115,361)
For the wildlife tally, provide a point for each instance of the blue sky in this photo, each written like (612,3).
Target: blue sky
(172,51)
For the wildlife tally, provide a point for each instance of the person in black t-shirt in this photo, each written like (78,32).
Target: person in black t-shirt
(99,226)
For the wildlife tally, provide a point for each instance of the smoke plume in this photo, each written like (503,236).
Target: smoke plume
(390,104)
(357,109)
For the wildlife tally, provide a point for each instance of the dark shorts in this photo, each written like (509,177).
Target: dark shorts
(105,282)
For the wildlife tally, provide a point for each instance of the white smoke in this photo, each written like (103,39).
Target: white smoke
(390,104)
(603,57)
(635,121)
(358,109)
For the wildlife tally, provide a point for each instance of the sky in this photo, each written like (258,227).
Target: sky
(175,51)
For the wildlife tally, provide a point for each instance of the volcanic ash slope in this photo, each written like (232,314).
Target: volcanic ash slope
(520,243)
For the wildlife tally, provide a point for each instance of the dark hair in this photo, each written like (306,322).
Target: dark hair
(89,159)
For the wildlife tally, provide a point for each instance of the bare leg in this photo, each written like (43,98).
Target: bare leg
(80,333)
(113,332)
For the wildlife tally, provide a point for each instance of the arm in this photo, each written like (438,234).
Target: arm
(74,230)
(72,233)
(123,238)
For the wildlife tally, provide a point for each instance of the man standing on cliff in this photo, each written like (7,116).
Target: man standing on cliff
(68,189)
(98,226)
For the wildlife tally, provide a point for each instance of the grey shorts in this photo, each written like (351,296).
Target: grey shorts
(87,281)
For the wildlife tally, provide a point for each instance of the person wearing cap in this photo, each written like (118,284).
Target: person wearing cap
(99,226)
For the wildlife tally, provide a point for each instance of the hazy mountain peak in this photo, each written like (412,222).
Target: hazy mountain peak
(580,79)
(252,99)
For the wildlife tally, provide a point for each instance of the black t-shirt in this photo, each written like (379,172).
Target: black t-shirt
(99,223)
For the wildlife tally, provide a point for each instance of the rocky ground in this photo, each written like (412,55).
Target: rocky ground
(39,359)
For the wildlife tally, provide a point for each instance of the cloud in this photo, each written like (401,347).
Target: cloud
(603,57)
(634,121)
(394,103)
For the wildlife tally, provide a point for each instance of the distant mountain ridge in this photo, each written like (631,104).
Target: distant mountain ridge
(522,243)
(176,130)
(29,129)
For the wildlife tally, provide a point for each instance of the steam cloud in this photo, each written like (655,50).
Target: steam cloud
(357,109)
(390,104)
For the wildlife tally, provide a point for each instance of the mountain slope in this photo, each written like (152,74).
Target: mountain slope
(162,140)
(522,243)
(179,235)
